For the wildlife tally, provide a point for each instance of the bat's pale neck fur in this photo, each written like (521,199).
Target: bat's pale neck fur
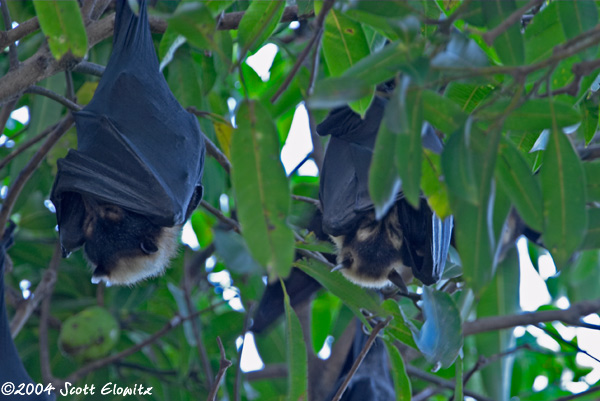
(130,270)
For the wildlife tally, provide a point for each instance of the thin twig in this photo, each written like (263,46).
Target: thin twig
(231,21)
(5,113)
(39,90)
(363,353)
(12,48)
(29,169)
(319,23)
(42,291)
(224,363)
(438,381)
(50,274)
(202,354)
(26,145)
(490,36)
(219,215)
(86,67)
(571,316)
(311,201)
(572,397)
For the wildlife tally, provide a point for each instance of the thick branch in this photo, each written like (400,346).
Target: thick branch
(12,35)
(571,315)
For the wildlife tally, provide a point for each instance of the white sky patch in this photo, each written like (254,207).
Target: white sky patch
(298,144)
(210,263)
(224,203)
(589,340)
(309,168)
(250,360)
(262,60)
(25,285)
(21,115)
(49,205)
(533,291)
(294,25)
(188,236)
(325,352)
(540,383)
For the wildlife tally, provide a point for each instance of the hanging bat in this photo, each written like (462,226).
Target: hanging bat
(136,174)
(406,242)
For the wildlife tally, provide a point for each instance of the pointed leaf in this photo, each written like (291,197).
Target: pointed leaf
(589,125)
(533,115)
(577,17)
(433,184)
(337,92)
(563,189)
(384,182)
(457,165)
(344,44)
(261,189)
(62,24)
(442,113)
(501,298)
(514,175)
(195,22)
(401,380)
(258,23)
(467,96)
(509,44)
(297,362)
(440,339)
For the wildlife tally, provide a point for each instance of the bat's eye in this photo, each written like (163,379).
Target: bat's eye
(148,247)
(112,213)
(348,260)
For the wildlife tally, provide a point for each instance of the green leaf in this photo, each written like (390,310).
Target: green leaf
(324,312)
(433,185)
(592,235)
(501,298)
(577,17)
(355,297)
(62,24)
(563,189)
(582,276)
(467,96)
(533,115)
(509,44)
(184,81)
(382,65)
(398,371)
(514,175)
(589,125)
(440,338)
(592,172)
(261,189)
(409,152)
(258,23)
(543,34)
(297,362)
(398,327)
(337,92)
(458,168)
(389,9)
(195,22)
(442,113)
(234,252)
(384,182)
(344,43)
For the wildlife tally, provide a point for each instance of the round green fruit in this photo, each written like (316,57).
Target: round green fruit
(89,335)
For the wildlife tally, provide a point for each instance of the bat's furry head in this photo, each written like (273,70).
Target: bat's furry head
(125,247)
(370,254)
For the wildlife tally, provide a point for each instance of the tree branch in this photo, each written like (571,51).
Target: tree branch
(38,90)
(26,145)
(29,169)
(569,316)
(10,36)
(224,363)
(490,36)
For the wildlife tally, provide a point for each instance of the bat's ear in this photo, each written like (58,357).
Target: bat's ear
(70,224)
(196,198)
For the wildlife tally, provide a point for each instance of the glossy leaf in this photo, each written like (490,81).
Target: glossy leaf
(433,184)
(258,23)
(467,96)
(384,181)
(533,115)
(458,168)
(501,298)
(509,44)
(62,24)
(442,113)
(563,189)
(440,339)
(589,125)
(344,44)
(514,175)
(195,22)
(398,371)
(297,362)
(355,297)
(577,17)
(261,188)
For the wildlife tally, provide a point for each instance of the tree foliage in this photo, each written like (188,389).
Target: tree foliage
(511,87)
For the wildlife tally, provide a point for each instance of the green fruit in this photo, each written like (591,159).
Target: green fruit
(89,335)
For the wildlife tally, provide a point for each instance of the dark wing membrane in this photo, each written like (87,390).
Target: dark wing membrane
(344,190)
(137,147)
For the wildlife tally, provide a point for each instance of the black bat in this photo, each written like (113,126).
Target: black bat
(11,367)
(371,252)
(136,174)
